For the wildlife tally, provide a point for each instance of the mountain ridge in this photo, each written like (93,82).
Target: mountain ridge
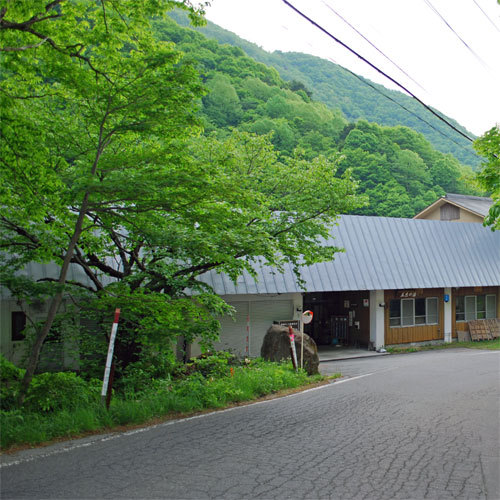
(356,96)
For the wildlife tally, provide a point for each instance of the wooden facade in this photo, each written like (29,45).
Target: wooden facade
(329,305)
(416,333)
(462,292)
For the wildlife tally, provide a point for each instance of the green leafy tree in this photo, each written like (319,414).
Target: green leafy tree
(84,100)
(102,167)
(488,146)
(222,104)
(410,171)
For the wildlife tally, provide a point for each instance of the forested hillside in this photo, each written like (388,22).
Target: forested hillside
(397,167)
(356,96)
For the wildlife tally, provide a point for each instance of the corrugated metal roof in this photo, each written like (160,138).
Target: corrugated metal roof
(380,253)
(51,271)
(384,253)
(473,203)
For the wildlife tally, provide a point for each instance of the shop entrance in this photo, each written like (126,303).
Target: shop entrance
(339,318)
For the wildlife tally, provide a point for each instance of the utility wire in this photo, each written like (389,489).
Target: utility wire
(487,17)
(429,4)
(372,44)
(366,82)
(315,24)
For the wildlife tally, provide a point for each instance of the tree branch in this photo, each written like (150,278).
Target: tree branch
(74,283)
(25,47)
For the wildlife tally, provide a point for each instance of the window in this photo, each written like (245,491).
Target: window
(395,313)
(449,212)
(431,310)
(471,307)
(407,312)
(491,306)
(18,325)
(481,307)
(420,311)
(414,312)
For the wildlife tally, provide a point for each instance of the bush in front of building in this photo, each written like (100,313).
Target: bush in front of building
(10,378)
(63,404)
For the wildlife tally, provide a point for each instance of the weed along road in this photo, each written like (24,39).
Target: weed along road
(423,425)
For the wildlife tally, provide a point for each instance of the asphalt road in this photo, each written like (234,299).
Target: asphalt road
(423,425)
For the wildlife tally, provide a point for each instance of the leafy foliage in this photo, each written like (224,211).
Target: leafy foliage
(10,379)
(158,399)
(488,146)
(397,167)
(212,365)
(357,97)
(49,392)
(104,169)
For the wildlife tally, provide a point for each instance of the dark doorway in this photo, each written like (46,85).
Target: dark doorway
(339,318)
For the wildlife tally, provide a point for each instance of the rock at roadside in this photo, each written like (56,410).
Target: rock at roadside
(276,347)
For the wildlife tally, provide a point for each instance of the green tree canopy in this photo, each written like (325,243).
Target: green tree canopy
(104,167)
(488,146)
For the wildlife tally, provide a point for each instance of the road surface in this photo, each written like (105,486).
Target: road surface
(423,425)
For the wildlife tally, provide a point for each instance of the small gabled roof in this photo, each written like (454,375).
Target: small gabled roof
(383,253)
(475,204)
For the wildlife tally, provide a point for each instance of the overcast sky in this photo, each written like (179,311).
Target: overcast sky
(453,61)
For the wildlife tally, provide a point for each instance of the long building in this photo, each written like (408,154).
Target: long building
(399,281)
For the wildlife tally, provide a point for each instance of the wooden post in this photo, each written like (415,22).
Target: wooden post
(109,359)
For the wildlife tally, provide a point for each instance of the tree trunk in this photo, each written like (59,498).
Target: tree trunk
(54,306)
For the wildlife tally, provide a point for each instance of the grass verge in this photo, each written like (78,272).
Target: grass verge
(484,344)
(164,400)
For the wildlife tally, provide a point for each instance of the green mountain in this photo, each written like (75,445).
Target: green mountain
(356,96)
(398,169)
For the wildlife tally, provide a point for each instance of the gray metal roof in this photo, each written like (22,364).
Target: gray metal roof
(384,253)
(475,204)
(381,253)
(51,271)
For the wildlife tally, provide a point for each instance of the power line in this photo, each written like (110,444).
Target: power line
(315,24)
(372,44)
(429,4)
(486,15)
(366,82)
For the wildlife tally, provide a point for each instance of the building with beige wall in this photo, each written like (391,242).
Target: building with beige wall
(457,208)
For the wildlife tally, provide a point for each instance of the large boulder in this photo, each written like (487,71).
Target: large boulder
(276,347)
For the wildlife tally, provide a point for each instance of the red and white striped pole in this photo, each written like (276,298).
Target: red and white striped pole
(109,359)
(247,345)
(293,352)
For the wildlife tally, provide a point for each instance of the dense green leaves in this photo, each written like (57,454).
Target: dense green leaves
(377,155)
(146,155)
(488,146)
(104,168)
(357,97)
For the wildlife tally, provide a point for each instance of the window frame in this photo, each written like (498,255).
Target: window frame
(427,300)
(467,315)
(493,295)
(401,318)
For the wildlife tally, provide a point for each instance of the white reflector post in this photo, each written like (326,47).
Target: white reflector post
(109,359)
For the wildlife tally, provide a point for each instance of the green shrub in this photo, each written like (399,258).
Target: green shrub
(212,365)
(10,379)
(138,377)
(49,392)
(62,404)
